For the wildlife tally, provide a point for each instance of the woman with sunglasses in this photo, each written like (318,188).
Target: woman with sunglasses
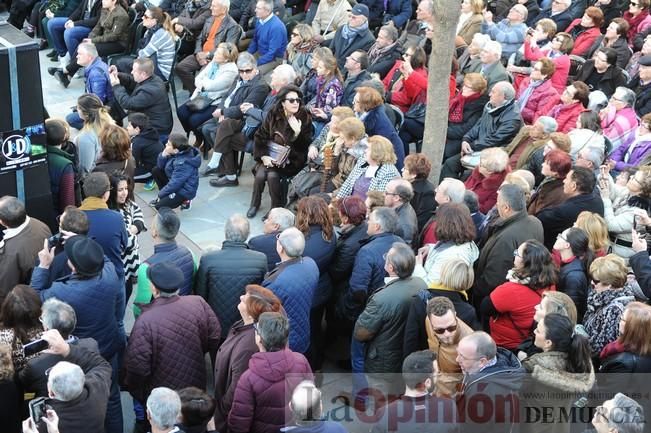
(300,48)
(233,356)
(288,124)
(614,38)
(510,308)
(638,18)
(406,82)
(558,52)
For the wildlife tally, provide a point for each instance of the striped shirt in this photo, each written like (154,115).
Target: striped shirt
(161,45)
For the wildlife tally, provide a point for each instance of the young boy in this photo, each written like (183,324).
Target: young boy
(62,165)
(145,148)
(176,174)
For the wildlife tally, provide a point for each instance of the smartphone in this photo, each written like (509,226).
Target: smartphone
(37,409)
(35,346)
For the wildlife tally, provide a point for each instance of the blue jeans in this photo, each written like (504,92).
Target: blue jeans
(357,353)
(55,28)
(192,120)
(73,37)
(74,120)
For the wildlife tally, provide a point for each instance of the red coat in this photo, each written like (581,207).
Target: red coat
(562,63)
(566,115)
(486,187)
(412,88)
(542,99)
(585,40)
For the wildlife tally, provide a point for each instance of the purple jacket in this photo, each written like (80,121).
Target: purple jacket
(260,403)
(640,151)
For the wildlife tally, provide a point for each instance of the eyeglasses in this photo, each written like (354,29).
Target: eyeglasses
(293,100)
(516,253)
(390,193)
(245,71)
(560,236)
(634,4)
(441,331)
(353,59)
(295,34)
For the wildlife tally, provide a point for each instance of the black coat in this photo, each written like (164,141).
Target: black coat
(573,281)
(341,49)
(384,63)
(253,91)
(472,111)
(612,78)
(642,268)
(77,16)
(322,252)
(620,46)
(626,362)
(642,96)
(558,218)
(266,244)
(496,128)
(348,244)
(562,20)
(145,148)
(350,87)
(223,275)
(11,399)
(423,201)
(148,97)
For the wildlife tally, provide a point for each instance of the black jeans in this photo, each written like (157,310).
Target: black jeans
(171,201)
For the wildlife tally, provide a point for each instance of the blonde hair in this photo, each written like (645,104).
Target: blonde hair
(514,178)
(596,228)
(343,112)
(610,270)
(477,6)
(560,303)
(476,82)
(381,150)
(457,275)
(230,51)
(352,128)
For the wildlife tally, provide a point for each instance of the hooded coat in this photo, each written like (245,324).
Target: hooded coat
(182,170)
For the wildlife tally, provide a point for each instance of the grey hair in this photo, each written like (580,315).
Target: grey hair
(246,60)
(528,176)
(485,345)
(481,39)
(269,4)
(386,219)
(513,196)
(391,32)
(225,3)
(164,407)
(375,84)
(454,189)
(626,416)
(493,47)
(89,48)
(292,241)
(549,124)
(306,402)
(287,72)
(402,258)
(167,224)
(404,189)
(12,211)
(593,154)
(627,95)
(522,10)
(273,329)
(66,381)
(58,315)
(506,88)
(430,5)
(494,159)
(283,217)
(237,228)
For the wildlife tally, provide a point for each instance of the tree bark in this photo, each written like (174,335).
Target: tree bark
(446,15)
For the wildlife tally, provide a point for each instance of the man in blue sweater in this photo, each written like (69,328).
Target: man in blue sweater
(270,40)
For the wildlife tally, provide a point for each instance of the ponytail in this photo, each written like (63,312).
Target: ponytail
(168,26)
(560,331)
(580,245)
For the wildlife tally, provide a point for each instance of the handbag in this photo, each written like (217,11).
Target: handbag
(416,112)
(279,153)
(199,103)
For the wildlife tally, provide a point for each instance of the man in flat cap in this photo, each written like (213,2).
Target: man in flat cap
(353,36)
(641,85)
(170,337)
(97,296)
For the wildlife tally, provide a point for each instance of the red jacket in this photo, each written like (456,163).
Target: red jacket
(562,63)
(411,90)
(515,304)
(486,187)
(585,40)
(566,115)
(542,99)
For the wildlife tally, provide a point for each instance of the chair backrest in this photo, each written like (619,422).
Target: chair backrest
(395,115)
(136,32)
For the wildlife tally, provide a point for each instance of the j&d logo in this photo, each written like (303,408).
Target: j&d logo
(16,147)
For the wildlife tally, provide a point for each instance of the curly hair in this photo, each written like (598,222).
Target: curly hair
(115,142)
(313,210)
(537,266)
(419,165)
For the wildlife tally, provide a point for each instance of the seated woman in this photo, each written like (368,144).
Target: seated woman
(614,38)
(407,80)
(631,352)
(176,174)
(638,18)
(212,83)
(550,192)
(300,49)
(588,133)
(536,95)
(329,90)
(597,230)
(607,297)
(159,41)
(533,163)
(510,307)
(308,86)
(469,21)
(633,67)
(621,220)
(288,124)
(602,73)
(487,177)
(632,154)
(416,170)
(348,150)
(373,172)
(369,106)
(558,53)
(574,256)
(586,30)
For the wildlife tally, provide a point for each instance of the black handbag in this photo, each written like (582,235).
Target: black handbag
(417,112)
(199,103)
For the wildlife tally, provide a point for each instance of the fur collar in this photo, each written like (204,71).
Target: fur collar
(550,368)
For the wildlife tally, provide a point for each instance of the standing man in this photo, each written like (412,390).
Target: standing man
(397,196)
(270,40)
(276,222)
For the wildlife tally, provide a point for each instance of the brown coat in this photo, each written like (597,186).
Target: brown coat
(451,375)
(548,194)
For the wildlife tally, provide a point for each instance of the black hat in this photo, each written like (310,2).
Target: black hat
(86,255)
(165,276)
(645,60)
(360,9)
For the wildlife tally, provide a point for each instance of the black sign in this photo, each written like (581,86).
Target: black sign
(22,148)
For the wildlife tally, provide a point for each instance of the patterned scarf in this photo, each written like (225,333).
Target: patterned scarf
(456,106)
(375,52)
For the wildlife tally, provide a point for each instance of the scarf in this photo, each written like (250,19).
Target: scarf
(375,52)
(456,106)
(524,98)
(349,33)
(634,22)
(514,278)
(93,203)
(612,348)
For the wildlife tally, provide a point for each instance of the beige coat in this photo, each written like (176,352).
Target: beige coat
(451,376)
(324,14)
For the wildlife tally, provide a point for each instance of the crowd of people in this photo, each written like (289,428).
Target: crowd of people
(522,278)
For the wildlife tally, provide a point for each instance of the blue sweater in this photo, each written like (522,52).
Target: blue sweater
(107,228)
(270,40)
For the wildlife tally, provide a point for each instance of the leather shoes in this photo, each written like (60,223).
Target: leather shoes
(53,70)
(53,54)
(224,181)
(208,171)
(251,212)
(62,78)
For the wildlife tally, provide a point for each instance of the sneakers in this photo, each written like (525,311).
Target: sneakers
(186,205)
(154,202)
(150,185)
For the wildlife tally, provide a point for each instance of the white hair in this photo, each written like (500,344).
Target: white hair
(163,406)
(493,47)
(293,242)
(66,381)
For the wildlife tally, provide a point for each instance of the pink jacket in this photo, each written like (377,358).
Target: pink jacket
(619,126)
(541,101)
(562,63)
(566,115)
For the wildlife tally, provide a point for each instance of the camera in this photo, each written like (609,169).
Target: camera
(55,241)
(35,346)
(37,409)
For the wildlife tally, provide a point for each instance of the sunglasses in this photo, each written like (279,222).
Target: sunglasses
(245,71)
(441,331)
(293,100)
(634,4)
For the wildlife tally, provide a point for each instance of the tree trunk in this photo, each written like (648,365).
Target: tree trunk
(446,15)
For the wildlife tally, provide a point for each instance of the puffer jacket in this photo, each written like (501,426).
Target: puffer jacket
(566,115)
(541,101)
(620,222)
(583,38)
(145,148)
(182,170)
(573,281)
(98,81)
(550,378)
(496,126)
(601,320)
(260,403)
(223,275)
(168,344)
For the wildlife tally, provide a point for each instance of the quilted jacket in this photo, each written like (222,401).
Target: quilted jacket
(295,282)
(231,362)
(542,99)
(168,343)
(223,275)
(182,170)
(566,115)
(260,403)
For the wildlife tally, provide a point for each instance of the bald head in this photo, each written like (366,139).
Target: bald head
(306,402)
